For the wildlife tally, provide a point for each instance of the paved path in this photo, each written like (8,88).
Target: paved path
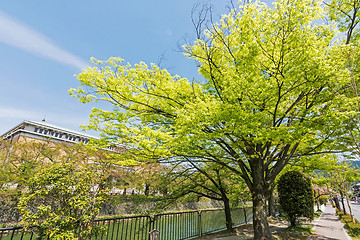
(328,226)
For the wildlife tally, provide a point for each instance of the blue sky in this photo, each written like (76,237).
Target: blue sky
(44,43)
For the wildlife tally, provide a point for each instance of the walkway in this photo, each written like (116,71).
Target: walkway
(328,226)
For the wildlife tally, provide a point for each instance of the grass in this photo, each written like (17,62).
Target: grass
(317,213)
(353,229)
(292,233)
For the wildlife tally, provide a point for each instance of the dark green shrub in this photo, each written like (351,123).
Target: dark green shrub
(296,197)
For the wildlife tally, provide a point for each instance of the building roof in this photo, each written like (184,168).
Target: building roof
(45,130)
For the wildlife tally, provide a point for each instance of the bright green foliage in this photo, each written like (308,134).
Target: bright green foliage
(19,161)
(271,91)
(61,199)
(268,93)
(346,14)
(296,197)
(342,177)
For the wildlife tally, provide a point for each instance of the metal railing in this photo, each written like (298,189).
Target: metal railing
(124,228)
(170,226)
(17,233)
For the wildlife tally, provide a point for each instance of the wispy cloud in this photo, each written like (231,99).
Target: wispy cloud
(17,34)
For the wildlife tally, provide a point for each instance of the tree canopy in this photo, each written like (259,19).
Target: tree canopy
(271,91)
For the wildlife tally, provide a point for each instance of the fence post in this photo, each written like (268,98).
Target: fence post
(151,226)
(154,234)
(199,222)
(245,215)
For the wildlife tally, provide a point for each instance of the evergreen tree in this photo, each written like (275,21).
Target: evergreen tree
(296,196)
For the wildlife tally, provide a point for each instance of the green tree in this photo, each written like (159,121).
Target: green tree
(346,15)
(211,181)
(340,180)
(21,160)
(269,94)
(62,200)
(296,197)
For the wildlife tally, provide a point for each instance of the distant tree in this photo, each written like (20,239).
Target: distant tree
(147,178)
(210,181)
(341,179)
(296,196)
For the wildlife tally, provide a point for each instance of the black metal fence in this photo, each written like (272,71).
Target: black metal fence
(170,226)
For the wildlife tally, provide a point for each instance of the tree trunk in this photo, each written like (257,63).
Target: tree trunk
(259,193)
(147,188)
(317,199)
(229,224)
(343,203)
(318,205)
(337,203)
(350,210)
(271,203)
(293,221)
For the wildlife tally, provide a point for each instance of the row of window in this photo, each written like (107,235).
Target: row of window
(60,135)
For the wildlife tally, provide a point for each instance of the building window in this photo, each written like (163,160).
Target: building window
(36,129)
(56,134)
(45,131)
(40,130)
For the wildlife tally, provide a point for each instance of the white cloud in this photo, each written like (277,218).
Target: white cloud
(14,33)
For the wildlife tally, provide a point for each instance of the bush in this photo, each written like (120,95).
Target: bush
(296,197)
(61,199)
